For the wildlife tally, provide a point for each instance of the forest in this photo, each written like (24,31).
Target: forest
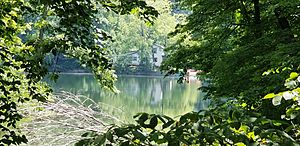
(246,52)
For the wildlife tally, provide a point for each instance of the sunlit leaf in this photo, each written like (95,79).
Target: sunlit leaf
(239,144)
(290,84)
(276,100)
(269,96)
(293,75)
(287,95)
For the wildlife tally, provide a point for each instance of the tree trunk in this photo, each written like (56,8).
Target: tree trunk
(284,25)
(257,20)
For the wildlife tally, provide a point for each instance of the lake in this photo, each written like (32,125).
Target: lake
(137,94)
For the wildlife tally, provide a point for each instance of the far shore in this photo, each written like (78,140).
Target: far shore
(122,75)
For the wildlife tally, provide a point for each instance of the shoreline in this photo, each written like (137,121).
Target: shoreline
(122,75)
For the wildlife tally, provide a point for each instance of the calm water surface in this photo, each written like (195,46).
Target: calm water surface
(138,94)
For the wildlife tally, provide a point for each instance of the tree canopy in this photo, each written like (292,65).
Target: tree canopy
(132,35)
(66,26)
(234,42)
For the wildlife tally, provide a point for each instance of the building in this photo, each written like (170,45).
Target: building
(135,58)
(157,55)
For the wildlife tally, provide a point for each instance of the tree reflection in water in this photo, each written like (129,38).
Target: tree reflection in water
(138,94)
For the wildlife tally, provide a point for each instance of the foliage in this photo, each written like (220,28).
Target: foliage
(226,123)
(291,102)
(131,35)
(54,26)
(19,81)
(61,63)
(234,42)
(127,34)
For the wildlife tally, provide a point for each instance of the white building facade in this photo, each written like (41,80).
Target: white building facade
(157,55)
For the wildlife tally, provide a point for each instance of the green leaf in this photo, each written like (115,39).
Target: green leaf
(120,132)
(83,142)
(231,114)
(294,75)
(227,132)
(179,131)
(99,140)
(139,135)
(269,96)
(154,136)
(239,144)
(166,125)
(285,135)
(143,118)
(256,130)
(110,137)
(85,134)
(126,143)
(161,118)
(236,125)
(279,122)
(153,122)
(135,11)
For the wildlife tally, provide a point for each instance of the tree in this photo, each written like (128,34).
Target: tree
(60,26)
(130,34)
(234,42)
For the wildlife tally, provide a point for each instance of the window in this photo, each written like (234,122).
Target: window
(154,59)
(154,50)
(134,58)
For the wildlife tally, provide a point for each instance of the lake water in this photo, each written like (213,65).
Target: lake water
(138,94)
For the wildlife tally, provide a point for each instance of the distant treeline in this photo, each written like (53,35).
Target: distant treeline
(60,63)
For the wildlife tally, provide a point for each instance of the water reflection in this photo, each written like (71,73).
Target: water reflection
(138,94)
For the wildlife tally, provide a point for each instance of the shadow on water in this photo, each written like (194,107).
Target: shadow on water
(138,94)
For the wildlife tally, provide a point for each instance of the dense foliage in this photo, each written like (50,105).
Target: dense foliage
(245,50)
(128,34)
(54,26)
(18,79)
(234,42)
(131,35)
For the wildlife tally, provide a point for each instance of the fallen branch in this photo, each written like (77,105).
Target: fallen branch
(64,119)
